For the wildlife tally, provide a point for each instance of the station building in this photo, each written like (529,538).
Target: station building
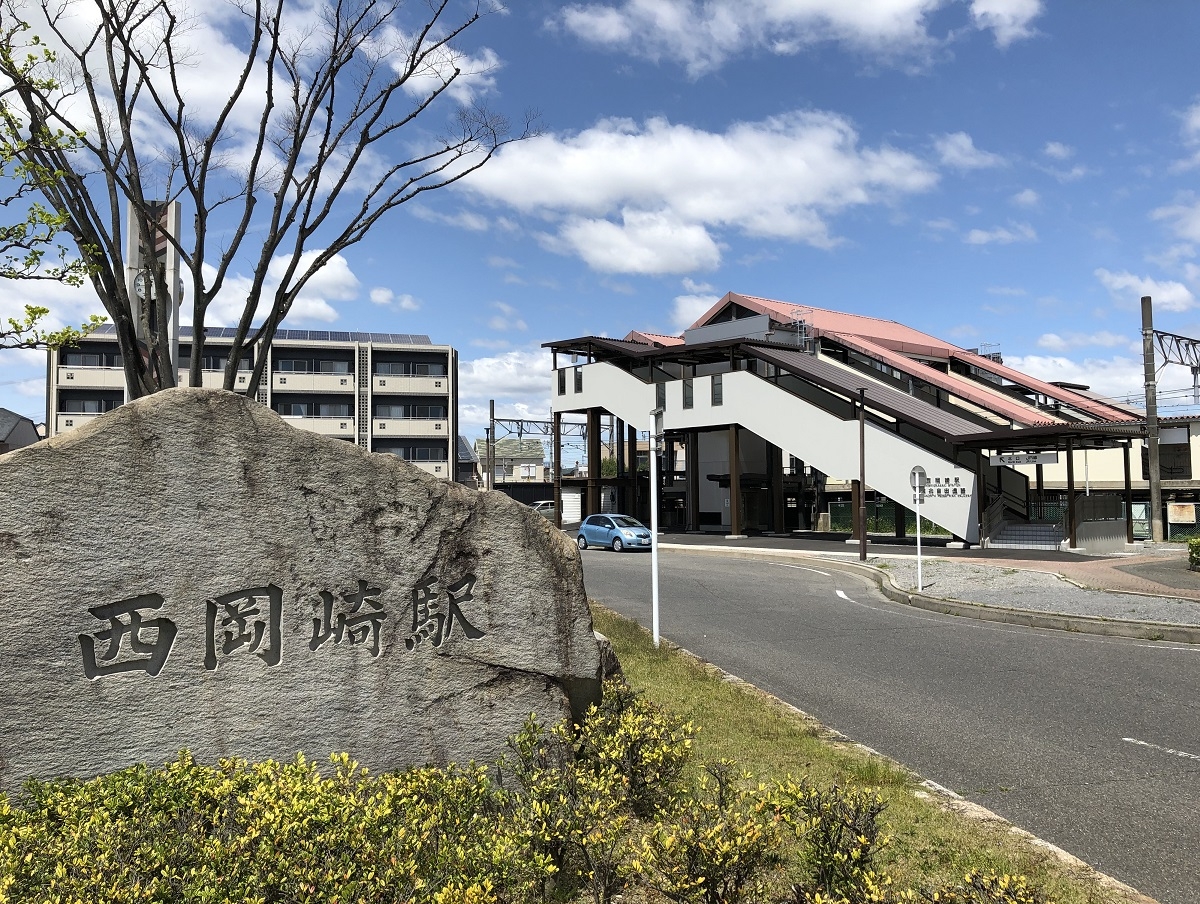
(387,392)
(769,410)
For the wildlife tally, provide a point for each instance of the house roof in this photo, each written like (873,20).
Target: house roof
(657,339)
(9,420)
(465,453)
(511,447)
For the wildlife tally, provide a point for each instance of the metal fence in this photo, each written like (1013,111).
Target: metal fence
(881,519)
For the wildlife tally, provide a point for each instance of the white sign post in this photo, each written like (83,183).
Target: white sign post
(918,479)
(653,449)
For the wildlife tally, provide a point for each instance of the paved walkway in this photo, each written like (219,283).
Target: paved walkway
(1151,587)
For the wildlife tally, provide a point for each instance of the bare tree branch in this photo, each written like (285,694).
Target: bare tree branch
(316,143)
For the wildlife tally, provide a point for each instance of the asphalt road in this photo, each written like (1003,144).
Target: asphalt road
(1090,743)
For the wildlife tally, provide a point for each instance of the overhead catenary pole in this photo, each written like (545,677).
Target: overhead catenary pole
(491,446)
(1156,523)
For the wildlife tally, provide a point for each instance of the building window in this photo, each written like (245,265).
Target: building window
(409,369)
(293,366)
(718,391)
(419,412)
(562,381)
(89,406)
(660,395)
(335,367)
(333,409)
(78,359)
(578,379)
(687,393)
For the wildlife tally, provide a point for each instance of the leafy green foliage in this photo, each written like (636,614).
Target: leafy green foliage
(1194,554)
(573,812)
(27,334)
(25,239)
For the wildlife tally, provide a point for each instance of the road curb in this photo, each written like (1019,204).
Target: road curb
(1029,618)
(944,797)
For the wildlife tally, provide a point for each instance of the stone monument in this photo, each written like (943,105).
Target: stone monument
(190,572)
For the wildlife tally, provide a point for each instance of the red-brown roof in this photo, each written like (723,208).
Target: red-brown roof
(904,339)
(653,338)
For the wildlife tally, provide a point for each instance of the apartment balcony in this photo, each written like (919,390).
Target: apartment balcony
(298,382)
(394,385)
(92,377)
(436,468)
(70,421)
(215,379)
(327,426)
(409,426)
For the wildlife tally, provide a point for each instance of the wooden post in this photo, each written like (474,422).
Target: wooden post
(775,472)
(1128,496)
(1071,493)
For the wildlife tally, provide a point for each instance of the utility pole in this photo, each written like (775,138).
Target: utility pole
(1156,523)
(491,446)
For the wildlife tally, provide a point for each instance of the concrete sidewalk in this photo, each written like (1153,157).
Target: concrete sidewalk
(1151,596)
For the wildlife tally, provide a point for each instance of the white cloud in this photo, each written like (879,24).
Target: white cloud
(518,381)
(1058,150)
(653,198)
(503,263)
(1183,216)
(1125,287)
(645,242)
(690,285)
(1026,198)
(703,34)
(958,150)
(1006,290)
(386,298)
(464,219)
(1112,378)
(1052,342)
(1009,20)
(1104,339)
(476,74)
(508,319)
(687,309)
(1001,235)
(333,282)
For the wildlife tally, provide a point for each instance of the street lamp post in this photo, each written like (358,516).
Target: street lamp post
(653,449)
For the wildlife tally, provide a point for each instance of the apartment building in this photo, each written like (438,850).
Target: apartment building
(394,393)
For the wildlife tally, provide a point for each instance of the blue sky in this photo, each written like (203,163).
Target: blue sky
(1008,173)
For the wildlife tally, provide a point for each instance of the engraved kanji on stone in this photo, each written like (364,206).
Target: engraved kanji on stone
(434,619)
(356,625)
(152,650)
(245,618)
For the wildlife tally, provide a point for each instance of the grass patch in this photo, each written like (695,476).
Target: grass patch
(932,844)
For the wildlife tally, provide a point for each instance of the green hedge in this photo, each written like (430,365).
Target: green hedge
(1194,554)
(571,814)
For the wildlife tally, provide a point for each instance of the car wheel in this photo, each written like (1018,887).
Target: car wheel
(617,544)
(581,540)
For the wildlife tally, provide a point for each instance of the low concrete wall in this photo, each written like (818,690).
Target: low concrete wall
(1101,537)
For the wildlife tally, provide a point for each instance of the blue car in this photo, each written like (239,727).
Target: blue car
(616,532)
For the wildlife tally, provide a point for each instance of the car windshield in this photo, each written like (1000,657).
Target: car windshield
(623,521)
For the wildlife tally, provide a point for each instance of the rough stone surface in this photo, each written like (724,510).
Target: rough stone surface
(610,665)
(198,513)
